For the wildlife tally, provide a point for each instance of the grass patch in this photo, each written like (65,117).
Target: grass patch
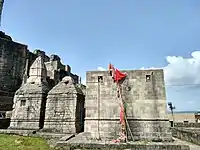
(15,142)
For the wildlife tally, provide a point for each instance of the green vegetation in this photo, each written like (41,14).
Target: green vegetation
(14,142)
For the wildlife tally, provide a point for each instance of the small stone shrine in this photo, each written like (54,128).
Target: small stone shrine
(65,108)
(30,99)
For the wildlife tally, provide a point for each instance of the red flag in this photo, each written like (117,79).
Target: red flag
(115,73)
(119,75)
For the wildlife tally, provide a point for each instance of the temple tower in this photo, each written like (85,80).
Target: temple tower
(30,99)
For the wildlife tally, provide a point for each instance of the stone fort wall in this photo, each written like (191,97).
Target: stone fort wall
(12,64)
(144,94)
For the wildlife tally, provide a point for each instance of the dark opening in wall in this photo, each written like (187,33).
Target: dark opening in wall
(171,123)
(100,78)
(66,82)
(148,78)
(23,103)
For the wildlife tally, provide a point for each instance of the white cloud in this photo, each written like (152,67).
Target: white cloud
(101,69)
(182,70)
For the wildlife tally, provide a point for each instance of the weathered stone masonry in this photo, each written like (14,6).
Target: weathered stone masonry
(144,94)
(12,63)
(13,59)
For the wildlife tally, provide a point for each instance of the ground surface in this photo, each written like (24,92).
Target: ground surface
(14,142)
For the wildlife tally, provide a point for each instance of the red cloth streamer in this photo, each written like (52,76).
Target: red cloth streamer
(122,120)
(119,75)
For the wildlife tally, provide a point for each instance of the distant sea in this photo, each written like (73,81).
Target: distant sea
(183,112)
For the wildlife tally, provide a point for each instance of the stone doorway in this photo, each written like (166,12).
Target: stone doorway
(42,112)
(80,114)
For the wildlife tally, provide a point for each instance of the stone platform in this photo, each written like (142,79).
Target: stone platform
(128,146)
(83,141)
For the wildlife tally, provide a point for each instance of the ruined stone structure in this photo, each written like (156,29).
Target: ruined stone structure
(62,111)
(144,94)
(65,108)
(56,70)
(15,62)
(52,98)
(58,110)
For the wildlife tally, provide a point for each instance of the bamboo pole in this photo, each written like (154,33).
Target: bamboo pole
(127,124)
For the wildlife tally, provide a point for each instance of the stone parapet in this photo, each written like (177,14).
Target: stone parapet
(189,135)
(187,125)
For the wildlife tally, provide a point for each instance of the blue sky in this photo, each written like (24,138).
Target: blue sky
(131,34)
